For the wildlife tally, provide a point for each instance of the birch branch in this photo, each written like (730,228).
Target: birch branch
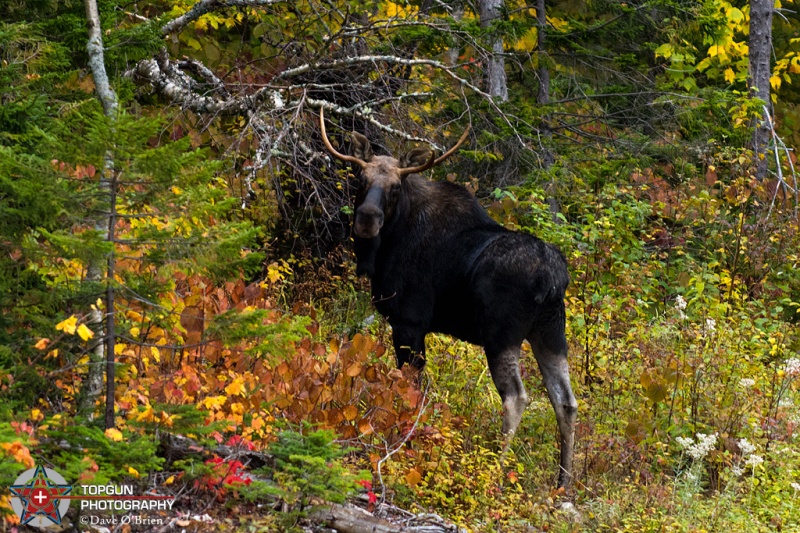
(179,91)
(206,73)
(206,6)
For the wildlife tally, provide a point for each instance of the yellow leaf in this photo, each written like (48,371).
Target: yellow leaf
(214,402)
(42,344)
(730,75)
(559,24)
(529,41)
(394,10)
(775,82)
(114,434)
(274,273)
(132,471)
(665,50)
(170,480)
(236,387)
(735,15)
(156,354)
(194,43)
(69,325)
(36,415)
(85,333)
(146,416)
(133,315)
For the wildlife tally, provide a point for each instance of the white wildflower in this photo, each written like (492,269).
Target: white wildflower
(786,403)
(746,383)
(680,305)
(690,476)
(792,367)
(754,460)
(698,450)
(796,486)
(747,447)
(711,324)
(736,470)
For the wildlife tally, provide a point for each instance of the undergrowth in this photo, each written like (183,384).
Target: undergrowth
(684,354)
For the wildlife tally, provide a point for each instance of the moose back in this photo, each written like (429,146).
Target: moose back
(438,263)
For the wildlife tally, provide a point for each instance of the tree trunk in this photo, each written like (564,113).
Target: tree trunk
(760,50)
(495,71)
(103,350)
(453,53)
(543,72)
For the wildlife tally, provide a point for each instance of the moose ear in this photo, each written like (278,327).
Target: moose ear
(415,158)
(362,148)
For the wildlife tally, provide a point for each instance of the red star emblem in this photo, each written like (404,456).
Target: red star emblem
(40,497)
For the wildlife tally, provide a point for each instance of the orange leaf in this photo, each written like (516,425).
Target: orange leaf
(42,344)
(365,426)
(350,413)
(413,477)
(353,370)
(20,453)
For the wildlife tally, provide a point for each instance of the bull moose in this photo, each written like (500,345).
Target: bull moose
(438,263)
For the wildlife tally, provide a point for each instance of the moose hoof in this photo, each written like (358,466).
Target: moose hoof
(571,512)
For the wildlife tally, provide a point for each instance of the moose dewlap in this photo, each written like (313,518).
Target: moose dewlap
(439,263)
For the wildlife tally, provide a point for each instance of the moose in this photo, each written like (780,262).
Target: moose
(438,263)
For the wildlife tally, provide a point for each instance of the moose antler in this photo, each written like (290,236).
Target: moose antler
(329,146)
(403,171)
(432,162)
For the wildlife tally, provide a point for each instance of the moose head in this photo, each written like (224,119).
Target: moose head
(381,178)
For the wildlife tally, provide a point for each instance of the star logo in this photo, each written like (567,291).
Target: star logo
(38,493)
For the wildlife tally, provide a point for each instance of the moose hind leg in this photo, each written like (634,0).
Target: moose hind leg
(504,367)
(555,373)
(409,345)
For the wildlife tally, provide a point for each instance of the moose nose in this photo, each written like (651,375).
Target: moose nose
(368,223)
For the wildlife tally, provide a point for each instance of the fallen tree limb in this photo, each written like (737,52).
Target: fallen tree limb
(352,519)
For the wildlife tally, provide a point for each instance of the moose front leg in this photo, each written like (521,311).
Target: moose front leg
(409,345)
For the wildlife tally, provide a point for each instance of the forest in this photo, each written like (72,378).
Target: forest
(181,315)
